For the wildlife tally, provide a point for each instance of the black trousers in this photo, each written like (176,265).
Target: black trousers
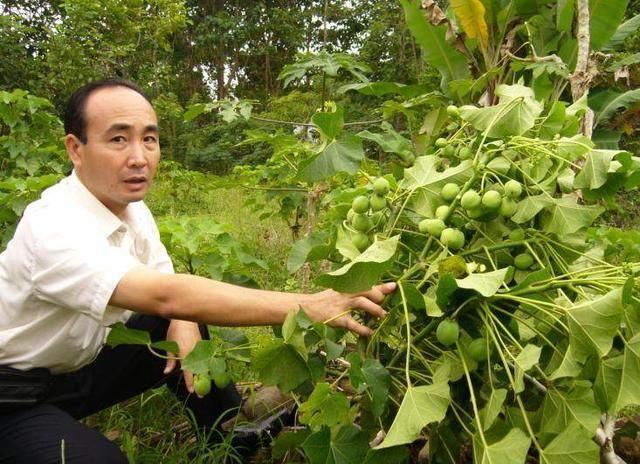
(47,431)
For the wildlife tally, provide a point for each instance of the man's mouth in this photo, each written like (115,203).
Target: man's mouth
(135,180)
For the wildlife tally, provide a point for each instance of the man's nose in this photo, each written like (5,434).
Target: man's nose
(137,156)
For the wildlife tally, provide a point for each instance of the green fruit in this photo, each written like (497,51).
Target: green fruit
(465,153)
(448,332)
(517,235)
(441,142)
(453,111)
(431,226)
(442,212)
(508,207)
(452,238)
(377,202)
(381,186)
(360,241)
(470,200)
(513,189)
(523,261)
(202,384)
(360,204)
(491,200)
(478,350)
(449,191)
(449,151)
(361,223)
(221,379)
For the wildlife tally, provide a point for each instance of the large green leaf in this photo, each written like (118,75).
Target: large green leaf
(329,124)
(437,51)
(530,206)
(572,446)
(596,167)
(348,446)
(420,406)
(324,408)
(605,17)
(511,449)
(364,271)
(341,155)
(565,216)
(390,141)
(471,16)
(490,412)
(615,102)
(559,410)
(515,114)
(280,364)
(120,334)
(625,30)
(618,382)
(373,377)
(424,178)
(485,283)
(310,248)
(593,324)
(199,359)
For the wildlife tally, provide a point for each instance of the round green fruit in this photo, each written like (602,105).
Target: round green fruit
(431,226)
(449,151)
(491,200)
(360,204)
(202,384)
(361,223)
(465,153)
(477,350)
(448,332)
(221,379)
(441,142)
(381,186)
(470,200)
(360,241)
(442,212)
(449,191)
(523,261)
(475,213)
(513,189)
(508,207)
(453,111)
(377,202)
(517,235)
(452,238)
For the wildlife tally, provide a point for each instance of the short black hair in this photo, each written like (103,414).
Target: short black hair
(74,115)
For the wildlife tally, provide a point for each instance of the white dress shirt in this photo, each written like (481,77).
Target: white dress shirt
(59,271)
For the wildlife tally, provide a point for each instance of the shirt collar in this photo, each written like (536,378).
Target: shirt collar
(105,220)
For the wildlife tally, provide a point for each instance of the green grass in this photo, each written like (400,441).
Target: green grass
(153,427)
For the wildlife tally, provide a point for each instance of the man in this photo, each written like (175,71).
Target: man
(86,255)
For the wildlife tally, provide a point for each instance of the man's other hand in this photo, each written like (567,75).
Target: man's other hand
(335,308)
(186,334)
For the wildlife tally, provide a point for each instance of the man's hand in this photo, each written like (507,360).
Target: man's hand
(186,334)
(334,307)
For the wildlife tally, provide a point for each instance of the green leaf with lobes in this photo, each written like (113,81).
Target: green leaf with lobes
(278,363)
(572,446)
(329,124)
(348,446)
(364,271)
(565,216)
(486,283)
(325,408)
(618,381)
(341,155)
(490,412)
(199,359)
(311,248)
(120,334)
(510,449)
(597,166)
(373,377)
(420,406)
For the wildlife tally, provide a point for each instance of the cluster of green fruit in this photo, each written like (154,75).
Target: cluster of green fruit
(221,378)
(366,213)
(448,332)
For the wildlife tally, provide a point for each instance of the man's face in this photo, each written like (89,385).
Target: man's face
(119,160)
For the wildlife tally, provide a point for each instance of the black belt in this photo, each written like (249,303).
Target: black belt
(19,389)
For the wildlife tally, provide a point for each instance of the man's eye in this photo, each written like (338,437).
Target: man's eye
(150,139)
(118,139)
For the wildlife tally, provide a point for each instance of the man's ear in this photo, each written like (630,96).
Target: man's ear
(73,145)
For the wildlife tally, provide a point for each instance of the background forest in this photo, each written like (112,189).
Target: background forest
(251,94)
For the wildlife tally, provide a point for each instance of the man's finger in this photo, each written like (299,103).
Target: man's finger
(188,381)
(364,303)
(378,292)
(354,326)
(170,365)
